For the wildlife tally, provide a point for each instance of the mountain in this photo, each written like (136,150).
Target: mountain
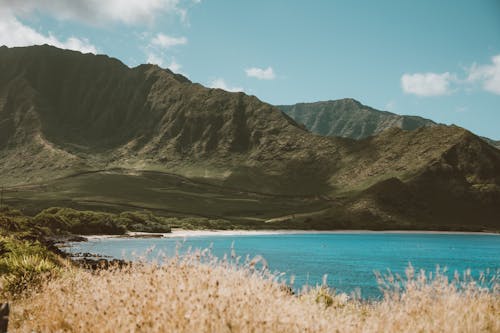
(82,130)
(349,118)
(494,143)
(66,112)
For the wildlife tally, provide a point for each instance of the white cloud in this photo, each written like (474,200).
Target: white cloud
(432,84)
(487,75)
(97,11)
(15,33)
(155,54)
(260,73)
(221,84)
(155,59)
(165,41)
(175,67)
(427,84)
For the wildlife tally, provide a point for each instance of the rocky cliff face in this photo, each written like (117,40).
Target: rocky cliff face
(349,118)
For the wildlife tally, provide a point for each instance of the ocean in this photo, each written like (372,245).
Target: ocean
(349,260)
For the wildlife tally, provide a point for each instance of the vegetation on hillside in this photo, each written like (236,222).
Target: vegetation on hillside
(57,221)
(66,220)
(234,157)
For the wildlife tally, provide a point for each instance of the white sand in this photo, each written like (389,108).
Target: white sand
(183,233)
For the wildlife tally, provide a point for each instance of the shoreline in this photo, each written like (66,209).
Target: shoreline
(184,233)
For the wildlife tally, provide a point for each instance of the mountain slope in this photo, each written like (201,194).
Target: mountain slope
(70,112)
(494,143)
(82,130)
(349,118)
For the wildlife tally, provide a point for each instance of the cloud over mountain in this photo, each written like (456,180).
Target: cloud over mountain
(221,84)
(427,84)
(14,33)
(261,73)
(166,41)
(488,75)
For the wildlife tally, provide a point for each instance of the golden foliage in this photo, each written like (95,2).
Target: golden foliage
(202,294)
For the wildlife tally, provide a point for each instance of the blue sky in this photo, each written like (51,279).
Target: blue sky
(436,59)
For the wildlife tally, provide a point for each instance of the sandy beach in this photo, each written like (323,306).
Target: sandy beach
(184,233)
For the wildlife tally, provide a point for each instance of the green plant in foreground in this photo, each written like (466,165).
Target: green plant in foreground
(324,297)
(26,272)
(24,265)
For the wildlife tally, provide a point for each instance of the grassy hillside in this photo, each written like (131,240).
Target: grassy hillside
(165,194)
(85,131)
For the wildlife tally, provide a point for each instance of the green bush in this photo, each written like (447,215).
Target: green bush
(12,222)
(55,222)
(11,212)
(66,220)
(25,272)
(24,264)
(144,221)
(9,224)
(201,223)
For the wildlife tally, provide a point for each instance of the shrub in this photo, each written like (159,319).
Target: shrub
(66,220)
(25,272)
(9,224)
(144,221)
(24,264)
(12,221)
(55,222)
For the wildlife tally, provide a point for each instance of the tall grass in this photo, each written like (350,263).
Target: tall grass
(198,293)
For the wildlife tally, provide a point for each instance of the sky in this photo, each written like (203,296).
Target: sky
(435,59)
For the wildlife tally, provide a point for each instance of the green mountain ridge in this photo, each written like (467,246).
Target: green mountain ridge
(349,118)
(81,130)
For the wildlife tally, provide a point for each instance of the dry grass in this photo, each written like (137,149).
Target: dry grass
(193,295)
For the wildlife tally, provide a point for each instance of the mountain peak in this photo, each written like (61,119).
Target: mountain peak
(347,101)
(349,118)
(92,105)
(64,114)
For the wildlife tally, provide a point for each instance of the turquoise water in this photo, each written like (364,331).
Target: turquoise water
(349,259)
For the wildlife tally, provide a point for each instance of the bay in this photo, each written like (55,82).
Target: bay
(348,259)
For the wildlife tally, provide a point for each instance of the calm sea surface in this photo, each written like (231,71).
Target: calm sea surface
(348,259)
